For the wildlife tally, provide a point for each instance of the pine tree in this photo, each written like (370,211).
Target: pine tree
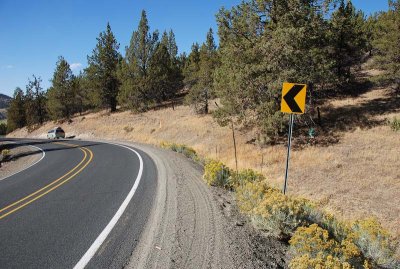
(62,100)
(133,70)
(201,82)
(142,45)
(263,44)
(348,38)
(164,77)
(192,66)
(35,103)
(16,112)
(387,42)
(102,70)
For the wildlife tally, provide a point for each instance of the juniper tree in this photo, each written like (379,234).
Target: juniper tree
(102,70)
(16,112)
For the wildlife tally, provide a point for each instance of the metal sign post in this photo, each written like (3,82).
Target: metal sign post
(293,102)
(291,120)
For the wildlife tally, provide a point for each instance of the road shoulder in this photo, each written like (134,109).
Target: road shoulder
(22,157)
(195,226)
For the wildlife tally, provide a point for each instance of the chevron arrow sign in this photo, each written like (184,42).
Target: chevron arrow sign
(293,98)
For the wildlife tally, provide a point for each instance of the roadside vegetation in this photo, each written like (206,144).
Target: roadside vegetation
(316,238)
(262,44)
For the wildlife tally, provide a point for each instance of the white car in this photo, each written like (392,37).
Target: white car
(56,133)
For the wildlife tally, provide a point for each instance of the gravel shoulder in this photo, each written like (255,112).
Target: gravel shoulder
(22,157)
(196,226)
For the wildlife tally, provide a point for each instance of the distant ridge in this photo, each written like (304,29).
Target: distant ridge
(4,101)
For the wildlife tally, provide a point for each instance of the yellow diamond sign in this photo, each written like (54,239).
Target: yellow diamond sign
(293,98)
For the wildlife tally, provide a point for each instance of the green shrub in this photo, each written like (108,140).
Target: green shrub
(395,124)
(183,149)
(3,128)
(217,174)
(127,129)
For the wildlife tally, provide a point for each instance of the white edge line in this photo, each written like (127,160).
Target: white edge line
(43,155)
(103,235)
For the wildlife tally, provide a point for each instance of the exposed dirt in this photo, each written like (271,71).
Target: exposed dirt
(21,157)
(194,226)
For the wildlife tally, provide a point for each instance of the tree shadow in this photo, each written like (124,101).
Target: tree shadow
(11,146)
(335,121)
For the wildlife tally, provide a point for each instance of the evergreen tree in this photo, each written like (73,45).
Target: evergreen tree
(62,100)
(102,70)
(164,77)
(16,112)
(142,45)
(192,66)
(201,82)
(35,103)
(133,71)
(168,40)
(262,45)
(348,38)
(387,42)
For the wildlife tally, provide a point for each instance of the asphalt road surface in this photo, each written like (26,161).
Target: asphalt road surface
(83,204)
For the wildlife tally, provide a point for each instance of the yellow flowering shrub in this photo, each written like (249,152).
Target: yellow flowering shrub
(278,214)
(217,174)
(249,195)
(314,244)
(313,240)
(375,242)
(5,152)
(244,176)
(327,221)
(319,262)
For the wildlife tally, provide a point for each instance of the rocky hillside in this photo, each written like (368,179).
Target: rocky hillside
(4,101)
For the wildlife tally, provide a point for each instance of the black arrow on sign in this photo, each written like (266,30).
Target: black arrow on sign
(289,98)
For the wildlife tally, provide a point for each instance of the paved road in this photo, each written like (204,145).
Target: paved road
(52,213)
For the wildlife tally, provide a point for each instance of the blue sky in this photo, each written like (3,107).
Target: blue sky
(35,32)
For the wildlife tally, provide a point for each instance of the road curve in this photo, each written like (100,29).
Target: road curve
(52,213)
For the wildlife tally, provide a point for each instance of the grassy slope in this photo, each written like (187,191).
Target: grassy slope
(358,176)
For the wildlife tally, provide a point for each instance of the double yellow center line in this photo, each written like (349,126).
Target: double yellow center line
(87,158)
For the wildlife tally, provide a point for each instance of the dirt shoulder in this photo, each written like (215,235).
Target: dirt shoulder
(194,226)
(21,157)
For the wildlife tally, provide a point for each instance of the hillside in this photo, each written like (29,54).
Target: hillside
(4,101)
(355,176)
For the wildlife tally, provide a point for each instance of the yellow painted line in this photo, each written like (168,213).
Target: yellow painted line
(53,188)
(49,185)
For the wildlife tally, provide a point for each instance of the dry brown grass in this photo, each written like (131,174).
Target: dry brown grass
(357,177)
